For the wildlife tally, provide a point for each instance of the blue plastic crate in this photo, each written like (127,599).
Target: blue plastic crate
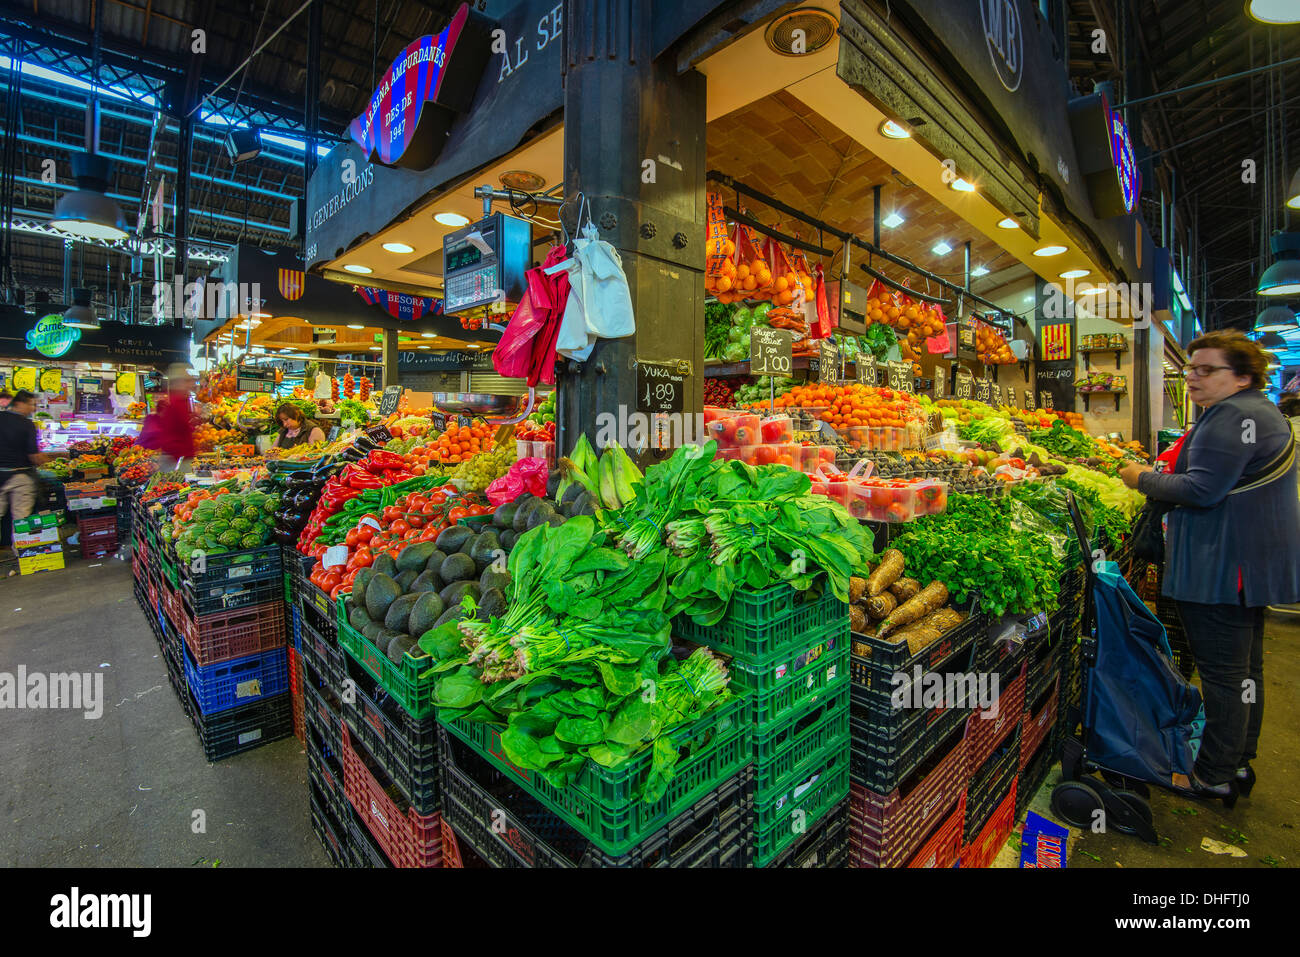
(295,617)
(239,681)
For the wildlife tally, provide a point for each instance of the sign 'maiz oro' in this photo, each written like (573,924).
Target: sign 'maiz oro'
(429,83)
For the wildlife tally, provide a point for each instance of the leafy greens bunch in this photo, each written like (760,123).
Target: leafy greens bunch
(974,550)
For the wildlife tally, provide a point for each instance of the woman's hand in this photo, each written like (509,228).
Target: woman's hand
(1130,474)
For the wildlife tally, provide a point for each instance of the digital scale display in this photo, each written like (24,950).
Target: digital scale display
(485,262)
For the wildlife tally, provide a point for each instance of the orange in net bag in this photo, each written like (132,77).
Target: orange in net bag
(753,274)
(719,268)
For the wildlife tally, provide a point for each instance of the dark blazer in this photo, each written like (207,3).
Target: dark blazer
(1214,535)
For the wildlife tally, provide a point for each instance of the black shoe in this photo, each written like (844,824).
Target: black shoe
(1226,792)
(1245,780)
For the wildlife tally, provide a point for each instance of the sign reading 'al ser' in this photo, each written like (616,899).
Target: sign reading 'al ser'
(430,82)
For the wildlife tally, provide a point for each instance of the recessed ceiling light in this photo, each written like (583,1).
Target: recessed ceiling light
(979,271)
(428,335)
(358,268)
(1029,297)
(399,248)
(473,345)
(961,186)
(895,131)
(892,220)
(1075,273)
(375,348)
(354,325)
(941,248)
(1050,250)
(450,219)
(1274,11)
(424,347)
(260,315)
(1090,291)
(1008,223)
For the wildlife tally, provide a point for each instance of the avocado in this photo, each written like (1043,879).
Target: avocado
(457,568)
(435,561)
(485,550)
(386,636)
(468,545)
(491,578)
(399,612)
(358,618)
(426,582)
(508,539)
(357,597)
(553,483)
(451,614)
(380,593)
(570,493)
(540,515)
(372,632)
(583,505)
(413,557)
(362,580)
(504,515)
(520,522)
(453,593)
(451,539)
(555,520)
(492,603)
(398,647)
(426,611)
(384,565)
(405,579)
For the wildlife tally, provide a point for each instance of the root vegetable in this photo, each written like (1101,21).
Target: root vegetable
(887,572)
(880,606)
(905,589)
(929,599)
(857,589)
(857,619)
(931,628)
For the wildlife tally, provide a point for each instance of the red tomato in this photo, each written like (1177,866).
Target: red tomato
(431,509)
(363,558)
(414,502)
(331,580)
(399,527)
(391,514)
(352,538)
(415,521)
(479,510)
(334,592)
(364,534)
(417,470)
(438,498)
(395,551)
(456,514)
(369,515)
(429,534)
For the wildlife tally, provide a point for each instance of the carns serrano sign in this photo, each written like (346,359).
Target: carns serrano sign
(429,84)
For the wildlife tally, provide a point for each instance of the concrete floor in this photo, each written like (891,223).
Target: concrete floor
(122,790)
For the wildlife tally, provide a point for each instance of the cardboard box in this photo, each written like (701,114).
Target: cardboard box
(37,521)
(31,562)
(36,539)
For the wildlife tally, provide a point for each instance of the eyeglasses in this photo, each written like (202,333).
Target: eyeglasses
(1201,372)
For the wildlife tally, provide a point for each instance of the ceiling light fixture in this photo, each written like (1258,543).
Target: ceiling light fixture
(1283,277)
(523,180)
(424,347)
(979,271)
(962,186)
(1293,191)
(375,348)
(358,268)
(892,221)
(1008,223)
(450,219)
(895,131)
(1275,319)
(355,325)
(1273,11)
(428,335)
(86,212)
(1271,340)
(399,248)
(1051,250)
(941,248)
(1075,273)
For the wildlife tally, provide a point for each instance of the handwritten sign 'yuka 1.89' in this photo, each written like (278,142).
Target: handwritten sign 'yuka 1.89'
(408,116)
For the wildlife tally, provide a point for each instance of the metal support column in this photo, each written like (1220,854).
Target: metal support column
(389,359)
(311,95)
(634,147)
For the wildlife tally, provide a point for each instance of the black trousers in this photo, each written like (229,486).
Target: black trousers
(1228,644)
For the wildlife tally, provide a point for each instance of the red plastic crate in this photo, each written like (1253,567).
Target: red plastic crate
(97,529)
(885,830)
(450,847)
(981,851)
(406,838)
(985,734)
(98,549)
(153,593)
(299,717)
(295,671)
(1038,726)
(943,849)
(232,634)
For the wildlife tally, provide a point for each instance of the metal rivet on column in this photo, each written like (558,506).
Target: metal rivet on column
(680,240)
(648,230)
(608,221)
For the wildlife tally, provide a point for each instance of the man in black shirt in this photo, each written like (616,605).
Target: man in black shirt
(18,457)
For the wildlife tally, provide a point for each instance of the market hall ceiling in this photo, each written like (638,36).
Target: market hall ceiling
(144,42)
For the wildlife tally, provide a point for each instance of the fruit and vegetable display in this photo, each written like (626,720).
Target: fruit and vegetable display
(459,443)
(138,473)
(477,471)
(221,520)
(540,424)
(158,489)
(718,393)
(991,346)
(609,480)
(889,603)
(208,437)
(350,410)
(761,390)
(1102,382)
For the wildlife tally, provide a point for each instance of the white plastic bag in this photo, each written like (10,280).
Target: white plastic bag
(606,299)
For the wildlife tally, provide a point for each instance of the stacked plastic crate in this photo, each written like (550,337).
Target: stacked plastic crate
(790,658)
(95,506)
(910,748)
(230,613)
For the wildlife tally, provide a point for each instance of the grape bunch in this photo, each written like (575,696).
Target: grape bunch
(480,471)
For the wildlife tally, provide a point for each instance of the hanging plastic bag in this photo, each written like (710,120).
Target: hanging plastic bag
(606,298)
(823,327)
(513,355)
(784,279)
(719,266)
(752,270)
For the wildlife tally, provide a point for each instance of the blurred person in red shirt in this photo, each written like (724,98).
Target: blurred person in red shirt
(170,429)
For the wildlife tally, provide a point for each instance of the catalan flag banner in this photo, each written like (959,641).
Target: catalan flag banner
(1058,342)
(292,284)
(400,305)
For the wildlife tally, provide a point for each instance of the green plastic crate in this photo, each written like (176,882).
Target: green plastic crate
(288,588)
(603,803)
(477,522)
(790,751)
(761,625)
(776,823)
(406,683)
(169,571)
(795,678)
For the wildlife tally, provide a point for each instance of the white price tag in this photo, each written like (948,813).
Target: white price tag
(371,522)
(334,555)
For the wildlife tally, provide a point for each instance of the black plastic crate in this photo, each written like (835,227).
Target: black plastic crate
(510,829)
(989,785)
(882,765)
(1044,661)
(253,564)
(826,846)
(890,656)
(219,597)
(325,770)
(321,620)
(1035,773)
(365,852)
(323,653)
(326,710)
(241,729)
(332,834)
(405,748)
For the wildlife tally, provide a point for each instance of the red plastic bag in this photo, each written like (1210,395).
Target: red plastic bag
(823,327)
(526,475)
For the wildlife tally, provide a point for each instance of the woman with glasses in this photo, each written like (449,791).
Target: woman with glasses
(1232,546)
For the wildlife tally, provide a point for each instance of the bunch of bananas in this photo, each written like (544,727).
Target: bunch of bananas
(610,479)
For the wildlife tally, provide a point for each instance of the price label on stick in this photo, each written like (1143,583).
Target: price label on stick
(965,384)
(828,362)
(900,376)
(997,394)
(983,390)
(439,420)
(1029,400)
(1044,398)
(940,383)
(770,351)
(659,388)
(866,367)
(388,401)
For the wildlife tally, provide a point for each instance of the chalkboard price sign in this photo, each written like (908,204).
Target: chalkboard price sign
(997,394)
(770,351)
(388,401)
(828,362)
(866,368)
(439,420)
(659,388)
(1029,399)
(965,385)
(900,376)
(1045,398)
(983,390)
(940,383)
